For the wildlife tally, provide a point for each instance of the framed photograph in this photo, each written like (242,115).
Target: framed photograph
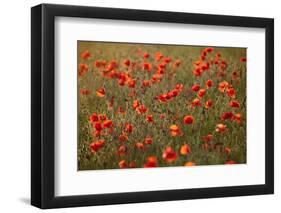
(139,106)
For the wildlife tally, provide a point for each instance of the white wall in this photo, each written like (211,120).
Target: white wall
(15,105)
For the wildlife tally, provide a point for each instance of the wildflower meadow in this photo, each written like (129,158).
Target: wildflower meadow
(152,105)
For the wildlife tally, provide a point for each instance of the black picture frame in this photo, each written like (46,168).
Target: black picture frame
(43,105)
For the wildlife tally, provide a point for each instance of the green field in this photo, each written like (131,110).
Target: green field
(108,86)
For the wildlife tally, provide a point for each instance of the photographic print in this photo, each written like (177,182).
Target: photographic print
(158,105)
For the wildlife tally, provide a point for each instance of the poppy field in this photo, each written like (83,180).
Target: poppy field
(152,105)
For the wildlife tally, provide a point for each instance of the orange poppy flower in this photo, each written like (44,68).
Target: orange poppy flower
(188,119)
(158,56)
(122,164)
(220,128)
(223,86)
(149,118)
(169,154)
(234,104)
(238,118)
(151,162)
(201,93)
(129,128)
(101,92)
(185,149)
(208,104)
(136,104)
(209,83)
(190,164)
(96,146)
(148,140)
(86,54)
(175,130)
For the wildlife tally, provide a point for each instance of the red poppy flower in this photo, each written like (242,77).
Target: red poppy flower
(167,60)
(101,92)
(86,54)
(147,66)
(201,93)
(209,83)
(196,102)
(185,149)
(231,92)
(146,83)
(227,115)
(102,117)
(227,150)
(132,164)
(107,124)
(243,59)
(127,62)
(177,63)
(122,150)
(146,55)
(85,92)
(149,118)
(148,140)
(122,164)
(208,138)
(195,87)
(230,162)
(96,146)
(188,119)
(94,118)
(129,128)
(132,83)
(234,104)
(208,104)
(123,137)
(169,155)
(141,109)
(98,126)
(151,162)
(139,145)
